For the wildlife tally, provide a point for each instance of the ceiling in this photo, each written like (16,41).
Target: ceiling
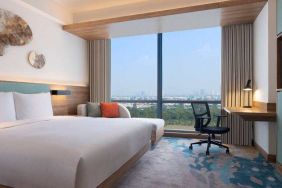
(190,17)
(95,19)
(86,5)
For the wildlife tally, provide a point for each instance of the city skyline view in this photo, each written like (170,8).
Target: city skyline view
(191,64)
(200,92)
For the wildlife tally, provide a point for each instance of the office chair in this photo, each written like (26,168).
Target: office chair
(202,117)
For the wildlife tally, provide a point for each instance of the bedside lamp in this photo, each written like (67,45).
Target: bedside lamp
(248,88)
(60,92)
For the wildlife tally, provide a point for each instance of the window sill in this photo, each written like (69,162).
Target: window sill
(187,134)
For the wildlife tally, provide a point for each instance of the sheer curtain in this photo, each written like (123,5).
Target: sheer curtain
(237,68)
(99,52)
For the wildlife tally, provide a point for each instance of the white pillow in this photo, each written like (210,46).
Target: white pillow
(30,106)
(7,107)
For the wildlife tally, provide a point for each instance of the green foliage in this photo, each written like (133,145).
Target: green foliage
(145,112)
(174,114)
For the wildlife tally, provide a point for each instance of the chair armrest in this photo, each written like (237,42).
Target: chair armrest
(82,110)
(219,117)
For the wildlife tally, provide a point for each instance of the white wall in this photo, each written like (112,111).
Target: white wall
(66,54)
(261,56)
(265,57)
(262,135)
(50,8)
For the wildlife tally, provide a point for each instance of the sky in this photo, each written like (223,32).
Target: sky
(191,63)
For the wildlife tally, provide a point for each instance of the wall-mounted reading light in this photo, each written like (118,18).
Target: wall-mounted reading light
(60,92)
(248,88)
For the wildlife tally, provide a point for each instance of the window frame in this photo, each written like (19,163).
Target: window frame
(160,101)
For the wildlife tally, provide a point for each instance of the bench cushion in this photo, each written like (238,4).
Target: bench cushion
(158,128)
(157,123)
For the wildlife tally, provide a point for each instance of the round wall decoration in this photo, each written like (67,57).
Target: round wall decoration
(14,31)
(36,60)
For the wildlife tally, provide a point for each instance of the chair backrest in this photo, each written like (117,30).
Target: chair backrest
(201,109)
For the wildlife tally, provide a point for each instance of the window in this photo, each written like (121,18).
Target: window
(133,76)
(191,62)
(191,71)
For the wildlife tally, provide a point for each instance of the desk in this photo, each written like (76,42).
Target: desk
(252,114)
(260,112)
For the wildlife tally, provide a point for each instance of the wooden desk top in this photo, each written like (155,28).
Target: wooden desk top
(252,114)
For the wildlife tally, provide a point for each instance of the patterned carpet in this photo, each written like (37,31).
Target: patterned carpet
(172,165)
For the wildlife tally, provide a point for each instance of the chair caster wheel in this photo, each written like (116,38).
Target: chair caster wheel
(207,153)
(227,151)
(190,147)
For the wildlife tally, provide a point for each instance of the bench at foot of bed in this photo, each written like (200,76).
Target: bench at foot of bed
(158,128)
(158,124)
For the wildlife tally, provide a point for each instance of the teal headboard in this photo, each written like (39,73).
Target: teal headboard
(21,87)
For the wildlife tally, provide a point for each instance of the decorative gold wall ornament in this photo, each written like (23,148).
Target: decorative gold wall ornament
(14,30)
(36,60)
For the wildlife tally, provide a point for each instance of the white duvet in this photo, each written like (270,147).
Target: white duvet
(67,152)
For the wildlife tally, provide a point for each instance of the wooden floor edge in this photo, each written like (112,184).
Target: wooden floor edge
(269,157)
(113,179)
(187,135)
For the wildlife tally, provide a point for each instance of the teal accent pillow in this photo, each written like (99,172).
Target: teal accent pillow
(93,109)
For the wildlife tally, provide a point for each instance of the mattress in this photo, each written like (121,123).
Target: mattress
(67,151)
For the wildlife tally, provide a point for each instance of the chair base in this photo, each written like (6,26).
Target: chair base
(209,142)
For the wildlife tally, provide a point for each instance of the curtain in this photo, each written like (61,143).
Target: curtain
(99,53)
(237,68)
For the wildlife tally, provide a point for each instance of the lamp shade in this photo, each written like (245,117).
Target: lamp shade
(60,92)
(248,86)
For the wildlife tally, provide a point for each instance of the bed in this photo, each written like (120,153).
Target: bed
(69,151)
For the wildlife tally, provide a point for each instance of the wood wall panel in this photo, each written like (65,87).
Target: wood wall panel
(67,105)
(240,14)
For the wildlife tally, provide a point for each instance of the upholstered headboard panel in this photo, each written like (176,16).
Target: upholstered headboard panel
(21,87)
(62,105)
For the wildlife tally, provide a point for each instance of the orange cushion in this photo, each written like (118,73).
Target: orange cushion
(109,109)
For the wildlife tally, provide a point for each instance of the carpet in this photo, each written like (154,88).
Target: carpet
(172,165)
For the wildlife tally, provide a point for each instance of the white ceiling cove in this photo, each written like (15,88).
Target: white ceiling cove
(87,5)
(69,12)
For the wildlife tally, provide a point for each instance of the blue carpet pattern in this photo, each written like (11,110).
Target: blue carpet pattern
(172,165)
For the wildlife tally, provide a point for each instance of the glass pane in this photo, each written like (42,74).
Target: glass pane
(215,109)
(144,110)
(179,116)
(134,68)
(191,71)
(192,64)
